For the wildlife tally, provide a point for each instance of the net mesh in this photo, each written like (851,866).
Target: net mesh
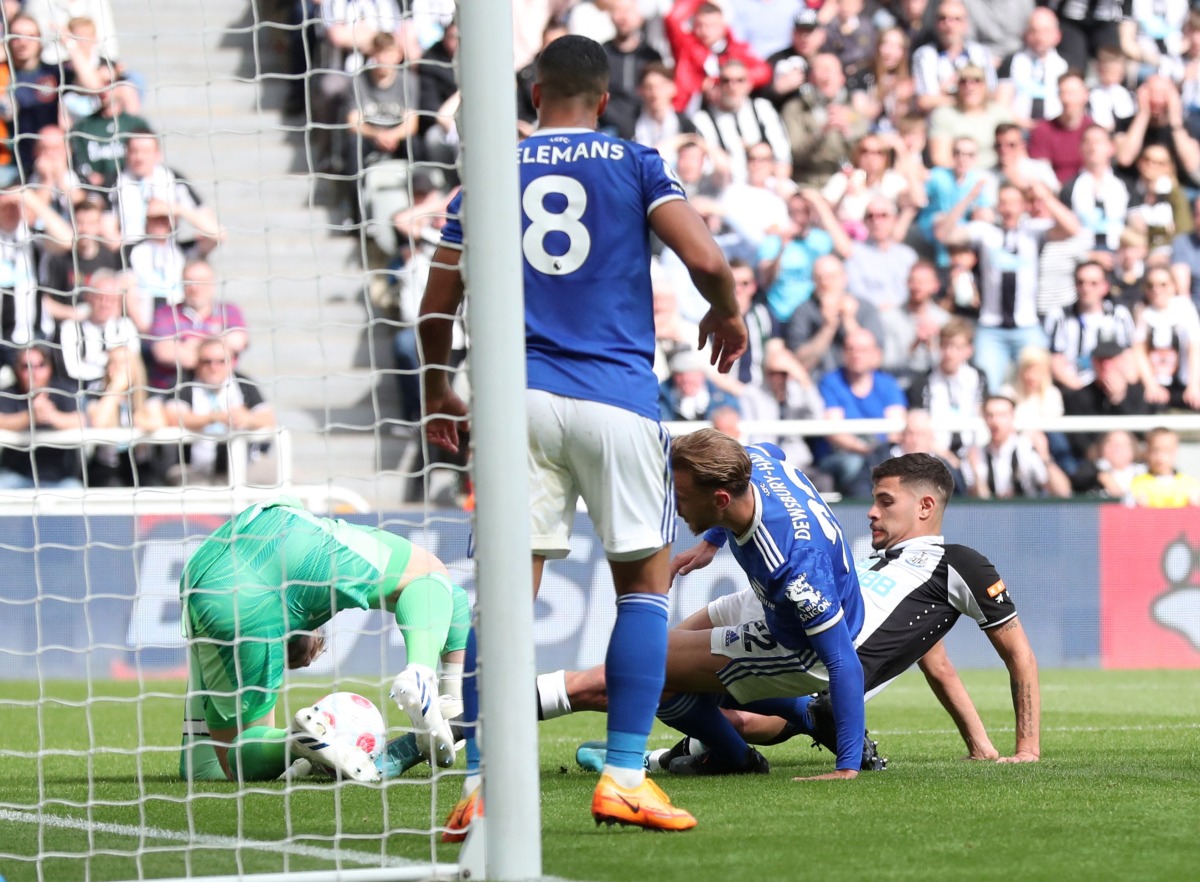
(316,260)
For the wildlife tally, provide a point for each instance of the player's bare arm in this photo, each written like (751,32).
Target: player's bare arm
(943,679)
(684,232)
(435,326)
(1012,645)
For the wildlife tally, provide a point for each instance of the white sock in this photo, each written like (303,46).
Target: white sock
(657,760)
(627,778)
(552,695)
(450,684)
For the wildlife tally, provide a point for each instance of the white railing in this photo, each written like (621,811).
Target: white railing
(1183,423)
(327,497)
(149,500)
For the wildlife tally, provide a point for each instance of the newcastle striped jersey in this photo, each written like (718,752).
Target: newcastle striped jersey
(914,592)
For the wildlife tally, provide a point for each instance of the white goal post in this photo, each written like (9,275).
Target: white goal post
(491,206)
(90,592)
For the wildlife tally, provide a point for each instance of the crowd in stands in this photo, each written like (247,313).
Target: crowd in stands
(936,209)
(972,209)
(110,314)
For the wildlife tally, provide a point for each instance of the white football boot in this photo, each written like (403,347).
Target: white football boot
(415,692)
(312,737)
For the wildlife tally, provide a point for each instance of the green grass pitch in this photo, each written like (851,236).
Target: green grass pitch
(1116,796)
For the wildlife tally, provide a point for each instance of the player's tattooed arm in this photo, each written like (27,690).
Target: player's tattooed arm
(1013,647)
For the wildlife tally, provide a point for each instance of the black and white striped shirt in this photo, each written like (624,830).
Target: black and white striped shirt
(913,593)
(1090,10)
(1076,334)
(931,66)
(733,131)
(1035,83)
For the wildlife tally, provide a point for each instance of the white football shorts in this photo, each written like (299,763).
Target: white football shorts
(759,666)
(616,460)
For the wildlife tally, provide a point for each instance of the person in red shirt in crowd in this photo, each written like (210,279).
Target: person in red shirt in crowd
(178,331)
(701,43)
(1060,140)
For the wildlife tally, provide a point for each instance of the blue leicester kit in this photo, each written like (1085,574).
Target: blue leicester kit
(794,554)
(589,320)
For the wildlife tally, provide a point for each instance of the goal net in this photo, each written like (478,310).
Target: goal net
(315,250)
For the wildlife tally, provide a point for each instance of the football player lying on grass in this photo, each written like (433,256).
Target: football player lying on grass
(914,588)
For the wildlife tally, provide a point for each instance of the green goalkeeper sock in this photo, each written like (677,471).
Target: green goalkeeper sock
(424,611)
(198,760)
(260,754)
(460,622)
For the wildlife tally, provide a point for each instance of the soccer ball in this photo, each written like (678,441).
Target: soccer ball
(355,720)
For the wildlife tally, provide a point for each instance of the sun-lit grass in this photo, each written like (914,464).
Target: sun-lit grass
(1115,796)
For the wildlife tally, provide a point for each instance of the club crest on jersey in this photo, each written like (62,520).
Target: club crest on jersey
(919,560)
(809,602)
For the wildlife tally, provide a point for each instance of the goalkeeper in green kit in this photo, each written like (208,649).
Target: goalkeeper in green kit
(255,593)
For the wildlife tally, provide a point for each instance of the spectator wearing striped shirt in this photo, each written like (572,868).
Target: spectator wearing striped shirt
(936,65)
(734,121)
(1008,262)
(1076,330)
(1029,77)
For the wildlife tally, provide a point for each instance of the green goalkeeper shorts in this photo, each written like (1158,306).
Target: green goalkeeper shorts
(237,628)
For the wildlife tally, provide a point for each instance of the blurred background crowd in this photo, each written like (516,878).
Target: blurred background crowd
(969,214)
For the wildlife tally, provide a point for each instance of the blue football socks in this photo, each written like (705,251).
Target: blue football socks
(700,717)
(794,711)
(635,668)
(470,699)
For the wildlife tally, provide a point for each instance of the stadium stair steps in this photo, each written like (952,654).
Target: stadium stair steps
(299,282)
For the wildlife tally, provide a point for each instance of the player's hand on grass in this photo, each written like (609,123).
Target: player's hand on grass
(695,558)
(727,334)
(839,775)
(1021,756)
(447,414)
(983,754)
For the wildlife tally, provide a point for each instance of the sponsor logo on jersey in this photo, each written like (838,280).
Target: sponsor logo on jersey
(731,636)
(997,589)
(809,602)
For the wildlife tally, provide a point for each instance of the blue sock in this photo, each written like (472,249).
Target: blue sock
(700,717)
(470,696)
(794,710)
(635,669)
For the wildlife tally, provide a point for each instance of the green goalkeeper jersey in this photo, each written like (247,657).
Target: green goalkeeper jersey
(322,565)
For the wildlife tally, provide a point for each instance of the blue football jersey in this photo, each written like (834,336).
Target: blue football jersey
(586,200)
(794,554)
